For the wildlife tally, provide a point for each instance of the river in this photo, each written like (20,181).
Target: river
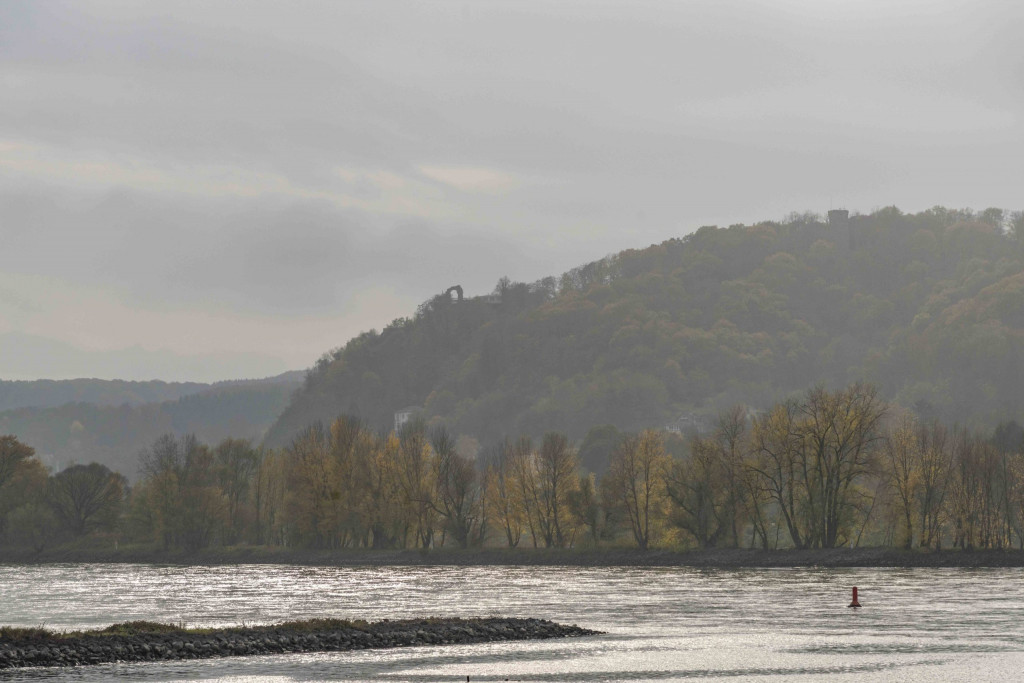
(662,624)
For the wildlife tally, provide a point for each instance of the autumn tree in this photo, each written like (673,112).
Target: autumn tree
(636,478)
(268,497)
(526,480)
(385,504)
(415,474)
(504,499)
(312,491)
(556,469)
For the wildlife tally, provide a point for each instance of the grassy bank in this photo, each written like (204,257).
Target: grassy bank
(722,558)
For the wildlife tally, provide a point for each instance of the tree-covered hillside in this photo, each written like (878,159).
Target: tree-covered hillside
(49,393)
(114,435)
(929,307)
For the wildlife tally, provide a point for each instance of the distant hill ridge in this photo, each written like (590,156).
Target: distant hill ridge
(116,424)
(928,306)
(49,393)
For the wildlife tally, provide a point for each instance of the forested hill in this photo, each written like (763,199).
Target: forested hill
(113,435)
(49,393)
(929,307)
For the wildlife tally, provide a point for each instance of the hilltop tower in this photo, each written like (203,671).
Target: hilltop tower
(839,220)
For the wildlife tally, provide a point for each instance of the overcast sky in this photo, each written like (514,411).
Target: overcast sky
(204,191)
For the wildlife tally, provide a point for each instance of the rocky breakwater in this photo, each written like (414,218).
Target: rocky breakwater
(147,641)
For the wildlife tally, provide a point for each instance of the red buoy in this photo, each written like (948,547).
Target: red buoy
(854,603)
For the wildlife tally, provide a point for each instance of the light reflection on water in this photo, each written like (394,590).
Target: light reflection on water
(663,624)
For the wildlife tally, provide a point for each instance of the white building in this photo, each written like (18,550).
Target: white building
(404,415)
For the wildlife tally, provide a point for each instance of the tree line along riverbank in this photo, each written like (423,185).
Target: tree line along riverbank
(724,558)
(147,641)
(829,469)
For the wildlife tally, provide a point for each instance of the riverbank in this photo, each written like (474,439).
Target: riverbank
(146,641)
(725,558)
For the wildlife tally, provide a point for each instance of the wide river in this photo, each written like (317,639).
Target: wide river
(662,624)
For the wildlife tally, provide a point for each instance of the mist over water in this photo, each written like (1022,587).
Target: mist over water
(663,624)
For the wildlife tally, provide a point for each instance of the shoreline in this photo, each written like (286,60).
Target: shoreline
(146,641)
(713,558)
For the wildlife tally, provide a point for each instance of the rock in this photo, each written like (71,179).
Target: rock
(96,648)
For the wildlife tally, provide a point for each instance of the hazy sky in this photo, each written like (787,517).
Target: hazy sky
(204,190)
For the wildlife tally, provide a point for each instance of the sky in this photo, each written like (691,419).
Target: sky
(215,190)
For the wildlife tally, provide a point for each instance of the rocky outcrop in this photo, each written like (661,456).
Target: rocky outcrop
(53,649)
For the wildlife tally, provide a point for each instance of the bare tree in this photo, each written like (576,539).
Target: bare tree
(556,480)
(503,495)
(637,470)
(458,492)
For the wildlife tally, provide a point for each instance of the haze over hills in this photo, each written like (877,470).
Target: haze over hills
(110,422)
(49,393)
(928,306)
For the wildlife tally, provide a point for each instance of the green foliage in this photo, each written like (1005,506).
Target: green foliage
(928,307)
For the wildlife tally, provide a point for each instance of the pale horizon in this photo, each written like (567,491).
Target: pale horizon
(189,193)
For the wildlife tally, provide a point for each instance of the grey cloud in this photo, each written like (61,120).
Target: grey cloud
(273,160)
(260,257)
(28,357)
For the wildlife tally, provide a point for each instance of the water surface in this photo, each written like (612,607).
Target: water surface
(663,624)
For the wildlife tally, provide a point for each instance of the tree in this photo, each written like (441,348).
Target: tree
(202,503)
(236,462)
(903,459)
(775,462)
(268,496)
(179,501)
(22,486)
(597,448)
(556,480)
(813,454)
(313,494)
(590,507)
(156,502)
(694,485)
(636,474)
(504,497)
(837,435)
(731,444)
(414,469)
(933,446)
(85,498)
(457,499)
(526,478)
(13,454)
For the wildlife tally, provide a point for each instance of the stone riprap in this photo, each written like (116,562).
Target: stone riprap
(122,643)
